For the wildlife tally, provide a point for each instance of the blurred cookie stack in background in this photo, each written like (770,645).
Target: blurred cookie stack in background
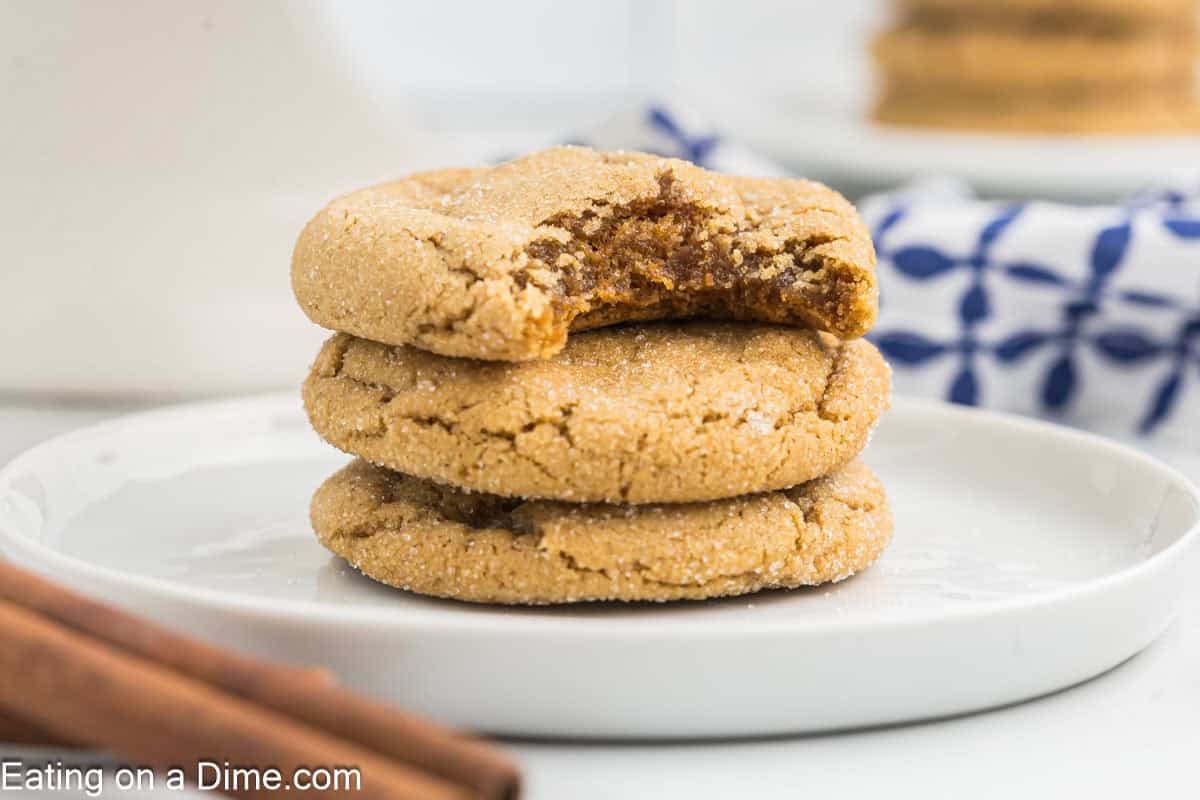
(1053,66)
(595,376)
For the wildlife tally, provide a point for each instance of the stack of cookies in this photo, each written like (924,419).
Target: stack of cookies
(1059,66)
(595,376)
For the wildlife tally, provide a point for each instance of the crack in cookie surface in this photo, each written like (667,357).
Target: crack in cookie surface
(653,412)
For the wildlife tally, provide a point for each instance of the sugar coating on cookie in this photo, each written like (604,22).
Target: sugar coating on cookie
(430,539)
(644,413)
(502,262)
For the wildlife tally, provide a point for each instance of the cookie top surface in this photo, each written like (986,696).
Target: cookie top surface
(655,412)
(502,262)
(431,539)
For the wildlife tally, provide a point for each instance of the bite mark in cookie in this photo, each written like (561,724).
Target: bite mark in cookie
(502,263)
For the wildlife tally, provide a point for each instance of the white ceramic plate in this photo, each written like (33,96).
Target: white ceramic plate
(824,138)
(1026,558)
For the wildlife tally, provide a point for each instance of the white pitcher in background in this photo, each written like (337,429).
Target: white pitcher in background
(158,160)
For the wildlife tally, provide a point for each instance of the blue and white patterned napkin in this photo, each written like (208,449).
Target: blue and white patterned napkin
(1087,315)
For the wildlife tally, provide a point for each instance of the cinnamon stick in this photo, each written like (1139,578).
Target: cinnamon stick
(232,671)
(14,730)
(305,695)
(79,687)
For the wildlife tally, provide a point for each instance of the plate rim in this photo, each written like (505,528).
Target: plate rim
(37,555)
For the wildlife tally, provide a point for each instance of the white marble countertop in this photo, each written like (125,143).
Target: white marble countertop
(1133,732)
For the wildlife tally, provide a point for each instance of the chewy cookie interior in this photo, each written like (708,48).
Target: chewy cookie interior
(670,257)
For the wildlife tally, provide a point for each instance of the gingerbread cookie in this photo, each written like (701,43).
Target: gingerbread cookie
(1135,111)
(1013,59)
(1176,13)
(656,412)
(502,262)
(427,538)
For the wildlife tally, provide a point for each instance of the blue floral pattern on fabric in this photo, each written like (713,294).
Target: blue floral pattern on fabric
(1091,322)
